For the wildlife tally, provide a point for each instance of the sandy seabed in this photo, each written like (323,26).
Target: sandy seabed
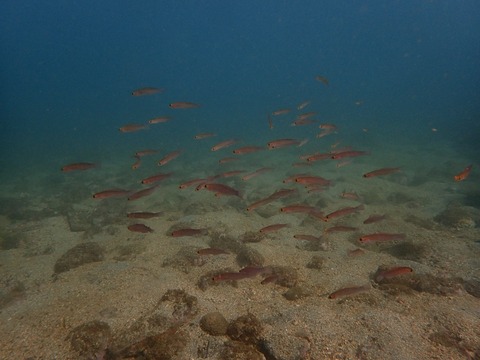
(150,296)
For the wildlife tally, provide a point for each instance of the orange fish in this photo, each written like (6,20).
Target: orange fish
(143,215)
(298,208)
(227,159)
(183,105)
(78,166)
(169,157)
(255,173)
(137,162)
(322,79)
(111,193)
(281,143)
(381,275)
(145,152)
(146,91)
(270,122)
(142,193)
(309,180)
(247,150)
(224,144)
(272,228)
(160,119)
(464,174)
(351,153)
(280,112)
(212,251)
(155,178)
(343,212)
(204,135)
(380,172)
(374,218)
(132,127)
(140,228)
(220,189)
(189,232)
(349,291)
(365,239)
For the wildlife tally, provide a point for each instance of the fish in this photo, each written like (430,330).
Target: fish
(227,159)
(143,215)
(275,196)
(247,150)
(281,143)
(270,122)
(229,276)
(188,232)
(142,193)
(224,144)
(318,156)
(156,178)
(376,237)
(169,157)
(159,119)
(383,274)
(343,212)
(350,195)
(146,152)
(204,136)
(381,172)
(137,162)
(132,128)
(351,153)
(349,291)
(231,173)
(146,91)
(309,180)
(256,173)
(193,182)
(280,112)
(297,208)
(322,79)
(183,105)
(221,189)
(464,174)
(140,228)
(111,193)
(78,166)
(303,122)
(307,237)
(374,218)
(303,105)
(272,228)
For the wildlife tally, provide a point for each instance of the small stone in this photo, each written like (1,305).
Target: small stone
(214,323)
(246,328)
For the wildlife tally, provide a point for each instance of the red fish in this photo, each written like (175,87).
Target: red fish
(280,112)
(212,251)
(183,105)
(169,157)
(309,180)
(142,193)
(343,212)
(221,189)
(188,232)
(351,153)
(322,79)
(78,166)
(383,274)
(156,178)
(224,144)
(272,228)
(159,119)
(365,239)
(281,143)
(145,152)
(137,162)
(381,172)
(143,215)
(146,91)
(204,136)
(247,150)
(255,173)
(111,193)
(374,218)
(464,174)
(132,127)
(349,291)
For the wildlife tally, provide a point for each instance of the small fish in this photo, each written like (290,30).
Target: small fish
(169,157)
(188,232)
(111,193)
(272,228)
(227,160)
(146,152)
(381,172)
(309,180)
(204,136)
(159,119)
(140,228)
(464,174)
(224,144)
(231,173)
(183,105)
(280,112)
(351,153)
(349,291)
(344,211)
(320,156)
(132,128)
(156,178)
(297,209)
(143,215)
(137,162)
(281,143)
(340,228)
(255,173)
(221,189)
(322,79)
(247,150)
(303,105)
(374,218)
(307,237)
(78,166)
(142,193)
(376,237)
(146,91)
(383,274)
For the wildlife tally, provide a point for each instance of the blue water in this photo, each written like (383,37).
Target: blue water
(68,70)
